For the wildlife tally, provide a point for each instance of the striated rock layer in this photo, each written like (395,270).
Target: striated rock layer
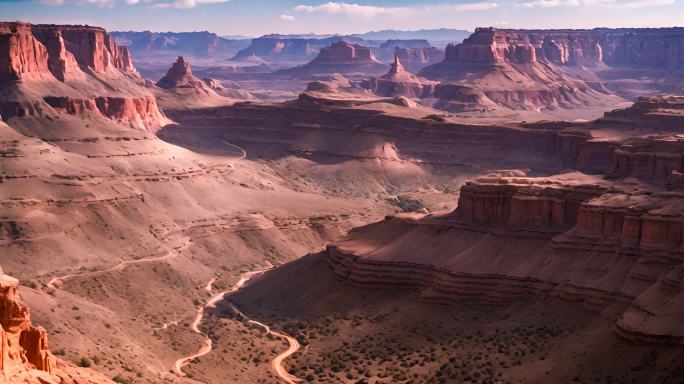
(77,70)
(638,47)
(597,245)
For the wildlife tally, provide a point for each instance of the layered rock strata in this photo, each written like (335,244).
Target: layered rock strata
(638,47)
(529,239)
(70,63)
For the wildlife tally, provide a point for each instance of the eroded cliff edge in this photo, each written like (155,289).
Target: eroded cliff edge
(607,246)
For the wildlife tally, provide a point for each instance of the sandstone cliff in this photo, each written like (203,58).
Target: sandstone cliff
(509,239)
(25,354)
(78,70)
(639,47)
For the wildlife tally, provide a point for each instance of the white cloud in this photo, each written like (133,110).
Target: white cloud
(287,18)
(369,11)
(471,7)
(131,2)
(351,9)
(646,3)
(549,4)
(633,4)
(100,3)
(187,4)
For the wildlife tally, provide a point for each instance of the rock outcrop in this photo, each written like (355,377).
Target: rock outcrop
(517,238)
(399,82)
(340,57)
(638,47)
(24,346)
(535,69)
(180,76)
(656,113)
(25,354)
(72,63)
(415,59)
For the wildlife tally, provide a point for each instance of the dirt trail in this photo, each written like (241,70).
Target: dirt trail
(207,345)
(277,363)
(122,265)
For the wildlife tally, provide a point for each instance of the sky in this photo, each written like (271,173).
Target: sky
(259,17)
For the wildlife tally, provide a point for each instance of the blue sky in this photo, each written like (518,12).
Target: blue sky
(258,17)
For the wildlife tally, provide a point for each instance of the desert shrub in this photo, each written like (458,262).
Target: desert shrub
(406,203)
(122,380)
(84,362)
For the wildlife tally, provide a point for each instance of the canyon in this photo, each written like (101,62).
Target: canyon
(507,210)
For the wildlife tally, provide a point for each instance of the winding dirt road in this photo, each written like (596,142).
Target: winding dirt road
(277,363)
(244,153)
(207,346)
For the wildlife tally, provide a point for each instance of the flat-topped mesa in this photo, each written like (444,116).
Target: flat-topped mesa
(340,57)
(657,113)
(491,46)
(649,159)
(38,51)
(24,347)
(637,47)
(343,52)
(20,53)
(645,222)
(523,202)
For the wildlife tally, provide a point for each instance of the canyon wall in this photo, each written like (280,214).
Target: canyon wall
(638,47)
(61,68)
(530,239)
(27,50)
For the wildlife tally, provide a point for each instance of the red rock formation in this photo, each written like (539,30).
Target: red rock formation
(523,203)
(648,47)
(25,356)
(514,239)
(20,53)
(138,112)
(415,59)
(341,57)
(180,76)
(24,346)
(399,82)
(40,50)
(654,113)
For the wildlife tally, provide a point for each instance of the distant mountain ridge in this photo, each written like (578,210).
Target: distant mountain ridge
(196,44)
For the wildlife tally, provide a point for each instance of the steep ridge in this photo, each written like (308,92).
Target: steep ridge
(591,242)
(26,357)
(52,68)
